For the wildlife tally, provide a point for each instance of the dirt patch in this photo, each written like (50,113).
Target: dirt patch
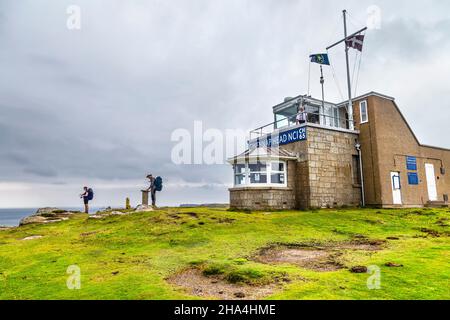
(86,234)
(215,286)
(431,233)
(358,269)
(317,257)
(393,265)
(226,220)
(191,214)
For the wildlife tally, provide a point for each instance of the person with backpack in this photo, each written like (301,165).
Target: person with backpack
(87,196)
(155,185)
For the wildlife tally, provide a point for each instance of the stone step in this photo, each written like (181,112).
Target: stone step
(437,204)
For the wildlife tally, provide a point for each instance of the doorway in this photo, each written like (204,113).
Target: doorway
(431,182)
(396,188)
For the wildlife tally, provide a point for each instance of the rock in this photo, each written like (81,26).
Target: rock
(112,213)
(143,208)
(32,219)
(46,215)
(31,238)
(45,210)
(393,265)
(117,213)
(239,295)
(358,269)
(97,216)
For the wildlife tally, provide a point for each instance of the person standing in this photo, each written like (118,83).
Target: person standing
(87,196)
(152,188)
(301,115)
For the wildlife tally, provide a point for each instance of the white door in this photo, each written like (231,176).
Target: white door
(431,182)
(396,188)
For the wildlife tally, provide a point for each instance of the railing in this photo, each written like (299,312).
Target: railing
(311,117)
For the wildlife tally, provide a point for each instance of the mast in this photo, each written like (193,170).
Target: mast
(346,37)
(322,81)
(349,84)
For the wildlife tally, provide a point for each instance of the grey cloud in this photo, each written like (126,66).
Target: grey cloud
(102,102)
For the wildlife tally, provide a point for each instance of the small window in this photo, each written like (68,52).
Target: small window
(411,163)
(363,111)
(413,178)
(396,182)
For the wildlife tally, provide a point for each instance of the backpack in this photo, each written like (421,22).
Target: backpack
(158,184)
(90,195)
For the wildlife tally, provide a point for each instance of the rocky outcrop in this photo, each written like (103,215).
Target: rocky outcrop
(100,215)
(47,215)
(143,207)
(31,238)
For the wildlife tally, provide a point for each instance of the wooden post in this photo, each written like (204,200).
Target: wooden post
(145,197)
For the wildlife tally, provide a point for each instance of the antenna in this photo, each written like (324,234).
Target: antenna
(349,85)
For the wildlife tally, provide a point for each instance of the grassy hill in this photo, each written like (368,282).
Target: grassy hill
(198,253)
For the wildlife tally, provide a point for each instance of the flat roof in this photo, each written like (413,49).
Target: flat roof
(281,105)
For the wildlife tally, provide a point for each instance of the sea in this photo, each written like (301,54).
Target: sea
(11,217)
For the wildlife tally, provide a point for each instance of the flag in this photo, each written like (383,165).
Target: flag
(355,42)
(320,58)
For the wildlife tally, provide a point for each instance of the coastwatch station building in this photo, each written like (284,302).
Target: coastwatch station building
(329,161)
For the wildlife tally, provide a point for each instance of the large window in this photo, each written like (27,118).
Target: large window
(364,115)
(260,173)
(239,174)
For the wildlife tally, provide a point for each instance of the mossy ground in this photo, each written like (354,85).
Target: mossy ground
(130,257)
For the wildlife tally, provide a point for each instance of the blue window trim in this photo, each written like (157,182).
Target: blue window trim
(411,163)
(413,178)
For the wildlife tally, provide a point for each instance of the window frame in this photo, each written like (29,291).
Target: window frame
(366,112)
(416,180)
(268,173)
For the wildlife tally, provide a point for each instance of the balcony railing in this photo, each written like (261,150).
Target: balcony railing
(312,117)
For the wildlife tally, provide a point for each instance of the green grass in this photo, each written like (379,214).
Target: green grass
(129,257)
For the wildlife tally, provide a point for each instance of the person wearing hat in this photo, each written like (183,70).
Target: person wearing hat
(152,188)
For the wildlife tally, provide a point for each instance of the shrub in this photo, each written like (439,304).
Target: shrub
(214,270)
(248,276)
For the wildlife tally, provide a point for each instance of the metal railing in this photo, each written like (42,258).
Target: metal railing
(311,117)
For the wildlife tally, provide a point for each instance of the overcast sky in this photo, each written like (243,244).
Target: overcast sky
(97,106)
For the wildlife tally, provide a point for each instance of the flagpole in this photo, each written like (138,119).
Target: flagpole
(322,81)
(350,104)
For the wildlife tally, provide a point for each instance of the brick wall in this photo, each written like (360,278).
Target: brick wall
(262,198)
(321,177)
(330,168)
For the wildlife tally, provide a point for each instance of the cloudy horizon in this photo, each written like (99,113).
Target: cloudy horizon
(97,106)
